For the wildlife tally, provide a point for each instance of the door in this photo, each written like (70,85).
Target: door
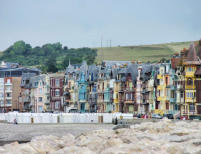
(82,108)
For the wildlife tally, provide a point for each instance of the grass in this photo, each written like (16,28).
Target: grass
(144,53)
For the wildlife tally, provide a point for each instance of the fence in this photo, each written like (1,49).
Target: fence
(28,118)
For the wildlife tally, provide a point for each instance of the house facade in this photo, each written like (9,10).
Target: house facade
(56,91)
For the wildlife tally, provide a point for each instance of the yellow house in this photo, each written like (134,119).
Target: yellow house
(116,95)
(191,64)
(161,90)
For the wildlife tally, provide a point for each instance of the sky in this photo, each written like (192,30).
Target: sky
(84,23)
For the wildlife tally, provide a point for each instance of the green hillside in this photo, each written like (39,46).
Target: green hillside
(142,53)
(49,57)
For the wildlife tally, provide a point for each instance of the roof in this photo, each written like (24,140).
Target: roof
(18,69)
(192,57)
(118,63)
(54,75)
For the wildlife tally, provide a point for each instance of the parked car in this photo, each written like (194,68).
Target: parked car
(169,116)
(182,118)
(156,116)
(139,115)
(73,111)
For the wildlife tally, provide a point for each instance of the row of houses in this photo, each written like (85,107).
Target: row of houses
(173,87)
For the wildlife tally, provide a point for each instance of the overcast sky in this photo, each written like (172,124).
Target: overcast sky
(81,23)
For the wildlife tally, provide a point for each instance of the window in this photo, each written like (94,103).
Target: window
(189,81)
(8,94)
(1,94)
(9,88)
(1,103)
(57,92)
(167,93)
(172,94)
(35,84)
(40,99)
(191,95)
(27,81)
(57,105)
(8,81)
(159,93)
(40,108)
(189,69)
(40,90)
(8,102)
(192,107)
(126,96)
(167,106)
(57,82)
(181,94)
(166,80)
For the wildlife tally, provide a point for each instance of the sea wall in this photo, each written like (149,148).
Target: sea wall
(28,118)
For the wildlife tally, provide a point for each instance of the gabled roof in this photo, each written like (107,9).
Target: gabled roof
(192,58)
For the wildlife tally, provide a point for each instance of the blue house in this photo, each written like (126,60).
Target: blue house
(82,85)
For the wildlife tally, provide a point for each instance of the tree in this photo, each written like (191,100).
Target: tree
(51,64)
(46,55)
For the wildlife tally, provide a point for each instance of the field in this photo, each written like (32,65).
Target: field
(144,53)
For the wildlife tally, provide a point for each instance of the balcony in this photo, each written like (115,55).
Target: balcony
(173,100)
(190,86)
(27,99)
(189,99)
(129,89)
(160,98)
(56,98)
(145,91)
(159,76)
(8,84)
(173,87)
(8,90)
(180,87)
(121,89)
(129,101)
(189,74)
(160,87)
(8,105)
(8,97)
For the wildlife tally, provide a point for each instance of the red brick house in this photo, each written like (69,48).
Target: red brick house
(56,91)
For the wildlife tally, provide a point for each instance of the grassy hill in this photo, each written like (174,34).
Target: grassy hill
(142,53)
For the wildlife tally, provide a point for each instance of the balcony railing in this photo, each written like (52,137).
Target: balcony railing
(8,90)
(8,84)
(173,100)
(8,97)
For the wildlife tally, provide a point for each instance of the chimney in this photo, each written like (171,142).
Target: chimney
(183,52)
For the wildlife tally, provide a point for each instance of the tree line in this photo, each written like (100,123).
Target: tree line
(50,57)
